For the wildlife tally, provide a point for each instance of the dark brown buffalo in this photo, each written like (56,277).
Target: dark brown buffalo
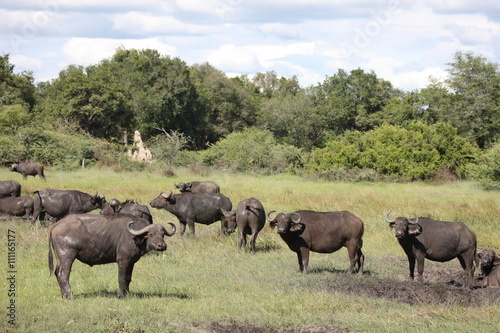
(490,268)
(28,169)
(9,188)
(101,239)
(128,207)
(189,207)
(200,187)
(249,217)
(17,206)
(322,232)
(59,203)
(424,238)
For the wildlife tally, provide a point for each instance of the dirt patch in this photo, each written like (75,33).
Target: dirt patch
(237,327)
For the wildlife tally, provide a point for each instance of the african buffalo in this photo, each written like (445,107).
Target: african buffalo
(127,207)
(101,239)
(28,169)
(189,207)
(9,188)
(17,206)
(249,217)
(441,241)
(59,203)
(322,232)
(490,268)
(200,187)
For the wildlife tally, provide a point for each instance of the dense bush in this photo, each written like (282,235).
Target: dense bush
(416,152)
(487,172)
(252,149)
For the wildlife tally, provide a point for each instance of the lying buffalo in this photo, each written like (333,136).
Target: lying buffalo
(102,239)
(249,218)
(17,206)
(127,207)
(200,187)
(490,268)
(189,208)
(59,203)
(9,188)
(28,169)
(322,232)
(441,241)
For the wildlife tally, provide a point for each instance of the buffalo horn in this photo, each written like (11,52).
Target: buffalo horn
(170,234)
(299,220)
(138,232)
(164,195)
(269,216)
(416,221)
(387,218)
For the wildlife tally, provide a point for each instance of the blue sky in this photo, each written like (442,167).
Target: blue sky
(403,41)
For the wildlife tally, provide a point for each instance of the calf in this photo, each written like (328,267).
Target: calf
(127,207)
(490,268)
(200,187)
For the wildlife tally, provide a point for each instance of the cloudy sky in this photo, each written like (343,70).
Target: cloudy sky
(403,41)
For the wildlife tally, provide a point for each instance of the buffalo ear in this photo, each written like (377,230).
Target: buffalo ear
(391,225)
(414,229)
(297,227)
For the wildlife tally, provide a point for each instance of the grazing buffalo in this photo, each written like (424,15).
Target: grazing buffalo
(17,206)
(59,203)
(127,207)
(9,188)
(490,268)
(101,239)
(189,208)
(249,217)
(200,187)
(441,241)
(28,169)
(322,232)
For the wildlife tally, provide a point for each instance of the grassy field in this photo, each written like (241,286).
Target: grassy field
(203,284)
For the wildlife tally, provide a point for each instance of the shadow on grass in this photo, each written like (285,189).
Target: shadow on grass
(319,270)
(140,295)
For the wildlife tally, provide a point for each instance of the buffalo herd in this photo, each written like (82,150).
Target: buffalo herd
(124,231)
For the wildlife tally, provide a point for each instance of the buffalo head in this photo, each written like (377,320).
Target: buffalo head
(286,223)
(98,200)
(152,235)
(488,258)
(228,220)
(404,227)
(184,187)
(159,201)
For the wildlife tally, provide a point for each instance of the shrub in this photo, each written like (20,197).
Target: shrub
(416,152)
(487,171)
(252,149)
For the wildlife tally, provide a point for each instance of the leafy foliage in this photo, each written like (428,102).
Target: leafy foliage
(252,149)
(487,172)
(413,153)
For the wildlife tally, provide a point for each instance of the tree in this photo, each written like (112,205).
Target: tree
(475,109)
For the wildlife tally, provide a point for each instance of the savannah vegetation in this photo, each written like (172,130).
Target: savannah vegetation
(351,126)
(203,284)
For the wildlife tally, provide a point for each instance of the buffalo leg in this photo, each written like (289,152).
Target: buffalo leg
(191,227)
(420,268)
(468,266)
(125,269)
(183,228)
(411,262)
(253,241)
(355,257)
(303,257)
(242,240)
(62,272)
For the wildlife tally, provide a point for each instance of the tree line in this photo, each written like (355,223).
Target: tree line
(177,107)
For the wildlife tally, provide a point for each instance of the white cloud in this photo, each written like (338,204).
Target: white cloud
(87,51)
(230,58)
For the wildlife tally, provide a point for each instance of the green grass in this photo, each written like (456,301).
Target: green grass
(204,279)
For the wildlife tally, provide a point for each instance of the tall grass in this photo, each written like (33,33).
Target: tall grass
(204,279)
